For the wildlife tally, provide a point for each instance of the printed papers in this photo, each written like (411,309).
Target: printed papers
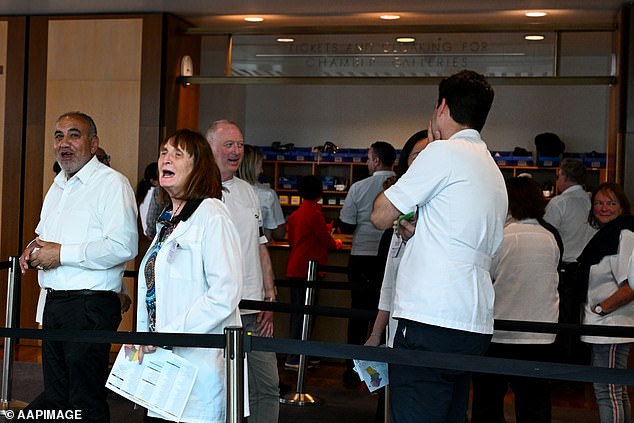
(373,373)
(161,384)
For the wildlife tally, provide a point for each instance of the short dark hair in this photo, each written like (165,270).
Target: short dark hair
(618,191)
(574,170)
(526,199)
(92,127)
(204,180)
(310,187)
(407,150)
(385,152)
(469,97)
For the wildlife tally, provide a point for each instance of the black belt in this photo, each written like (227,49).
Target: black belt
(53,293)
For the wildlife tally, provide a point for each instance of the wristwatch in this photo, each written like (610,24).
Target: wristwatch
(599,310)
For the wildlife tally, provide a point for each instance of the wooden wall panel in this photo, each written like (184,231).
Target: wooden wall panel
(32,159)
(94,65)
(4,26)
(13,40)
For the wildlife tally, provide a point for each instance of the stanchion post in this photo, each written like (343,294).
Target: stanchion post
(234,355)
(7,362)
(299,397)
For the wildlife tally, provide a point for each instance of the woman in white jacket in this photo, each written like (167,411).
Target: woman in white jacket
(190,279)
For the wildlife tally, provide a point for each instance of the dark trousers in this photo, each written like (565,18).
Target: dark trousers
(428,395)
(532,395)
(366,271)
(568,347)
(75,373)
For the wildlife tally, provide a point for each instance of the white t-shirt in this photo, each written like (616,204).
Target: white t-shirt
(525,279)
(443,278)
(243,205)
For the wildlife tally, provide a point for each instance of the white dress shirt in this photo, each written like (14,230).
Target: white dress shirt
(93,216)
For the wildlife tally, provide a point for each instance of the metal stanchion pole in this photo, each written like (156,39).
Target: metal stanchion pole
(386,400)
(7,362)
(234,354)
(299,397)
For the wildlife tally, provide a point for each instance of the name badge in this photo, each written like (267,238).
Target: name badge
(395,248)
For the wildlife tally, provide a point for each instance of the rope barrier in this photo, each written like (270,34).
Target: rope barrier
(512,325)
(482,364)
(460,362)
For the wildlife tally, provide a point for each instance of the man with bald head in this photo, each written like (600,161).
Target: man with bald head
(227,144)
(86,235)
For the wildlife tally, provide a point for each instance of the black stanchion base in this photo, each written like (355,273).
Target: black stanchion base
(300,400)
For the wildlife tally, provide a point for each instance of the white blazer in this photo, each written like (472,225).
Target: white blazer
(198,281)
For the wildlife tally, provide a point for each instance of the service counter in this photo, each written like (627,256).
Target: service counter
(327,329)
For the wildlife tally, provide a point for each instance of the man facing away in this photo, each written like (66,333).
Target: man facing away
(568,213)
(364,268)
(86,234)
(443,294)
(227,145)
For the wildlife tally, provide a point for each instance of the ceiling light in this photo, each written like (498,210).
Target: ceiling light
(534,37)
(535,14)
(389,17)
(253,19)
(405,39)
(285,40)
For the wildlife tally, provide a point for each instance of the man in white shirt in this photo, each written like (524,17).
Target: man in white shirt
(443,295)
(568,213)
(227,145)
(364,268)
(86,235)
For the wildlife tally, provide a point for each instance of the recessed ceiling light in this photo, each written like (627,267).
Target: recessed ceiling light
(285,40)
(535,14)
(534,37)
(253,19)
(405,39)
(389,17)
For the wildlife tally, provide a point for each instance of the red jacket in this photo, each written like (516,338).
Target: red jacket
(309,239)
